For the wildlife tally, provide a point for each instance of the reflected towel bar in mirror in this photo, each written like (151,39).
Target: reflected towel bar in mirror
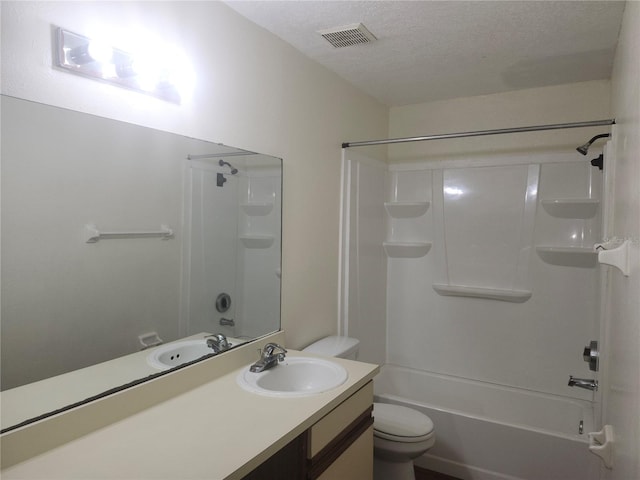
(92,234)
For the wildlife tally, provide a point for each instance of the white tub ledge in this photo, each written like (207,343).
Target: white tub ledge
(504,295)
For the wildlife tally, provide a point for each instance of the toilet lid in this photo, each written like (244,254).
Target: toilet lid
(400,421)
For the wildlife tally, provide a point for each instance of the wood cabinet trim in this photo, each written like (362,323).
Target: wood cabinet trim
(289,463)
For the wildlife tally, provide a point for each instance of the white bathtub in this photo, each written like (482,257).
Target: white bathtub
(490,432)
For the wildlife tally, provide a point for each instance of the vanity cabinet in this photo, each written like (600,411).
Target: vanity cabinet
(340,445)
(288,463)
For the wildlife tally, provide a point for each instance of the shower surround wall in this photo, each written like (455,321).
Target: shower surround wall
(233,246)
(491,279)
(489,240)
(212,222)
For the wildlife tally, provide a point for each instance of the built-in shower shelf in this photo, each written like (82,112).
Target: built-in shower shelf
(504,295)
(406,249)
(257,209)
(406,209)
(571,207)
(583,257)
(257,241)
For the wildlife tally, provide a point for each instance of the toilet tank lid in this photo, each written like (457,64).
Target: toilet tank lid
(334,346)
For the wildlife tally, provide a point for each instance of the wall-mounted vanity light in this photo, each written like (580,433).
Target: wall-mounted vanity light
(154,74)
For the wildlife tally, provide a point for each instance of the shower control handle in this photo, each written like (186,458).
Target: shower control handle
(591,355)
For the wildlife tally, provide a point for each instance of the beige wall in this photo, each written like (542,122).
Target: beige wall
(253,91)
(622,389)
(537,106)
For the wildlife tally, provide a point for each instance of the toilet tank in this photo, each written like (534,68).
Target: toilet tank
(335,346)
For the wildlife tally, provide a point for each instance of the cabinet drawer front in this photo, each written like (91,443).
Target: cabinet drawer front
(356,463)
(338,419)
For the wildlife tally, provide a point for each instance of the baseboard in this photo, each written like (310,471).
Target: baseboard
(458,470)
(424,474)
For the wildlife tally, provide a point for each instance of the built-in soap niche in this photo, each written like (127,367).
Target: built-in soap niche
(257,241)
(569,222)
(571,207)
(406,249)
(406,209)
(408,225)
(258,209)
(583,257)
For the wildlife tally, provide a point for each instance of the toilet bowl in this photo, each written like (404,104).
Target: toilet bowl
(400,434)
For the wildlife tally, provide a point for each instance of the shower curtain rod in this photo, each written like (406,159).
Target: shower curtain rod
(220,155)
(536,128)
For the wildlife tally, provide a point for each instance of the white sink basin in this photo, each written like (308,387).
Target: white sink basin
(295,377)
(177,353)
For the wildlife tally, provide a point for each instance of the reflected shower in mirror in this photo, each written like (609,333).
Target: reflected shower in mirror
(118,240)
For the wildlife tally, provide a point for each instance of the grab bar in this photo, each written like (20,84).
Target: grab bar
(92,234)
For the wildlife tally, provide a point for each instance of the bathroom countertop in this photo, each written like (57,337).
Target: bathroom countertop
(215,431)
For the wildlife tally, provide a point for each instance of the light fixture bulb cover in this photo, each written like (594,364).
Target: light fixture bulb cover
(100,52)
(98,60)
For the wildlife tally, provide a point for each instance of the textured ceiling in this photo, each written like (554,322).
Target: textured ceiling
(432,50)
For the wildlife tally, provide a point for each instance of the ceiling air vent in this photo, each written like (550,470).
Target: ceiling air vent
(348,35)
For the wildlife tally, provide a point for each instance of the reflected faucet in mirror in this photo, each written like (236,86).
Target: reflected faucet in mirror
(217,342)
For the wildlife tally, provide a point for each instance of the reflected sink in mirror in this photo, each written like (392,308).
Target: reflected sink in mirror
(184,351)
(294,377)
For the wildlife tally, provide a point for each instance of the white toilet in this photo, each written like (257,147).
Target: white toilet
(400,434)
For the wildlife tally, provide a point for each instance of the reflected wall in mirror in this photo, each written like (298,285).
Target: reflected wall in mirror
(70,301)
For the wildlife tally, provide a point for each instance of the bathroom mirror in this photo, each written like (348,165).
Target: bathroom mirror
(117,238)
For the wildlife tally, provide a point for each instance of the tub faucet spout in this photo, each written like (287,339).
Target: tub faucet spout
(586,383)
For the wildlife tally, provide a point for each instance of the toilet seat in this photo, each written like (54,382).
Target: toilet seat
(401,424)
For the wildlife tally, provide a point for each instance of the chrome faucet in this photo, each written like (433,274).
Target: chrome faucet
(218,343)
(586,383)
(268,358)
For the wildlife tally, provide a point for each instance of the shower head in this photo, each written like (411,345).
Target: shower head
(583,149)
(222,163)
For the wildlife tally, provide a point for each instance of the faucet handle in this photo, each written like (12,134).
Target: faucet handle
(269,348)
(218,342)
(220,338)
(591,355)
